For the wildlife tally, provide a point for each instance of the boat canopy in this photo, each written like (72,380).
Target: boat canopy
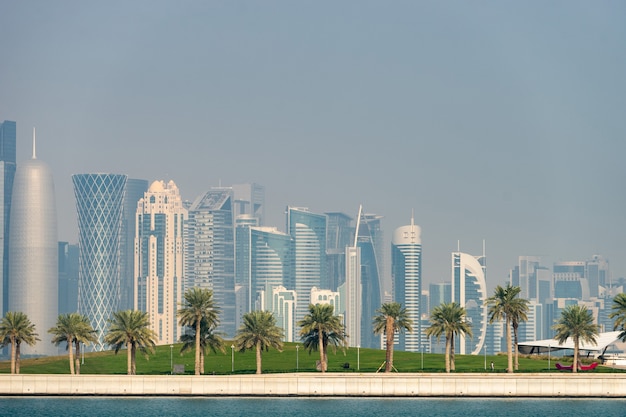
(550,345)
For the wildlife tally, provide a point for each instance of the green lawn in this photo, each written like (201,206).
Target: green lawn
(369,361)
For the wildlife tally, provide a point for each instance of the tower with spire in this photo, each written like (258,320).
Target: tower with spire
(33,251)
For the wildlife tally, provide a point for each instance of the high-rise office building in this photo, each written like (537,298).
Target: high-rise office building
(134,191)
(211,252)
(68,278)
(33,251)
(8,135)
(263,257)
(99,199)
(282,303)
(406,273)
(598,274)
(367,234)
(351,295)
(308,231)
(570,281)
(249,200)
(439,293)
(159,258)
(469,289)
(339,235)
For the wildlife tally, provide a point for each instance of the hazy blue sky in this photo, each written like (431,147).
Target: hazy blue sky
(493,120)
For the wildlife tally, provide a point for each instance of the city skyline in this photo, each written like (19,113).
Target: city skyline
(492,121)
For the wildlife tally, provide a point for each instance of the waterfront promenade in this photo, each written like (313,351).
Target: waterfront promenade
(315,384)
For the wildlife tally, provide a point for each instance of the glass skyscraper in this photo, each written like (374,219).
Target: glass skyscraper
(308,231)
(134,191)
(263,259)
(99,199)
(8,134)
(406,273)
(367,237)
(211,251)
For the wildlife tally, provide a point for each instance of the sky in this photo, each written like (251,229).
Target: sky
(500,121)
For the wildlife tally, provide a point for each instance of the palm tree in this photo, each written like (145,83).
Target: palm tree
(198,306)
(518,312)
(73,328)
(130,328)
(505,305)
(85,335)
(619,314)
(209,338)
(259,331)
(320,328)
(449,320)
(15,329)
(576,322)
(391,318)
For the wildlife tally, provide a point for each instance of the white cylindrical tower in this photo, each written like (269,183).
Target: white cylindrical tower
(33,251)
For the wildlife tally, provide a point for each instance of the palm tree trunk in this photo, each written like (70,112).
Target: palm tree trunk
(77,358)
(197,371)
(129,358)
(133,356)
(508,346)
(201,362)
(515,326)
(17,356)
(452,358)
(447,354)
(258,358)
(320,337)
(389,336)
(575,364)
(13,354)
(70,343)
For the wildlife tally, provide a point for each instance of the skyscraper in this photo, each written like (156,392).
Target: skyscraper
(308,231)
(469,290)
(133,192)
(68,278)
(366,239)
(263,257)
(406,273)
(570,281)
(99,200)
(351,294)
(8,133)
(211,251)
(159,258)
(33,251)
(249,200)
(339,235)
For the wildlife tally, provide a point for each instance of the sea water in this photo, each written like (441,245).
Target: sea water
(308,407)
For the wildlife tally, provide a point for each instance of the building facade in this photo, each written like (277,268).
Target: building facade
(8,139)
(211,252)
(406,273)
(99,200)
(33,251)
(469,289)
(159,258)
(308,233)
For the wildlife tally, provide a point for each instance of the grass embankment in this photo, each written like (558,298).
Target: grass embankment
(369,360)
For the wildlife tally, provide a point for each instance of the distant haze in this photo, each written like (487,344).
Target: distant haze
(491,120)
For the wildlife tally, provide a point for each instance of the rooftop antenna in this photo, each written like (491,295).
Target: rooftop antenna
(458,245)
(34,145)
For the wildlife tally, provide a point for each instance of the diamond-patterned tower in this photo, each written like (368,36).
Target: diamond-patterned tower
(99,203)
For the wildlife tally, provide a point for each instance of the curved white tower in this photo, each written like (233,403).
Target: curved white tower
(33,251)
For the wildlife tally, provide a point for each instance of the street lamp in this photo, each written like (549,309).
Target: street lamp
(297,357)
(485,347)
(232,358)
(549,356)
(422,350)
(171,359)
(358,358)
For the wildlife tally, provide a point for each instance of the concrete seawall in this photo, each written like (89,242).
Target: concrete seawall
(303,384)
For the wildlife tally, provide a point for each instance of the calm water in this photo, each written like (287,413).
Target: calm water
(301,407)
